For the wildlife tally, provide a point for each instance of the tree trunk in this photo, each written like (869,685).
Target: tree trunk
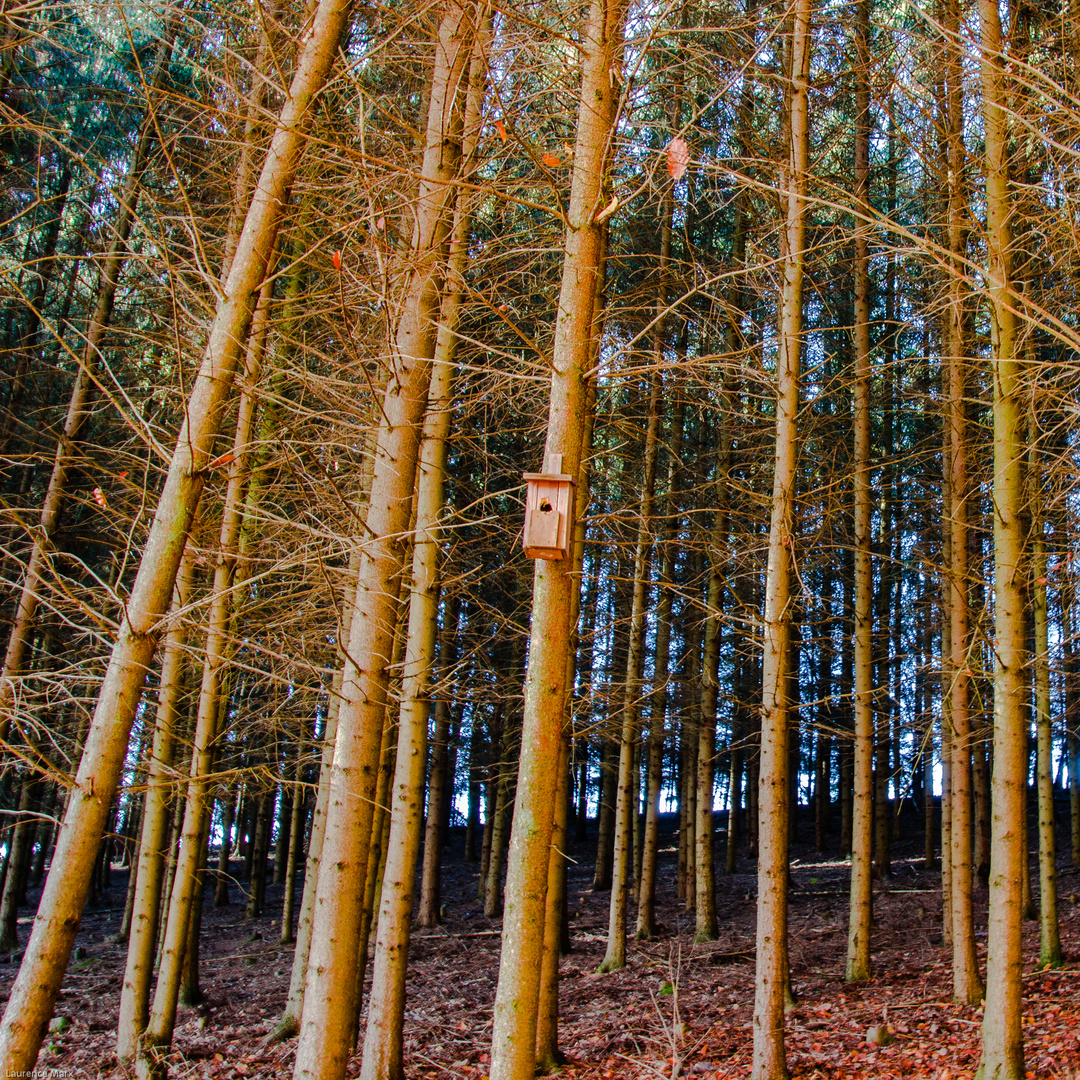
(513,1051)
(607,784)
(284,827)
(38,983)
(626,804)
(500,827)
(432,470)
(18,864)
(380,827)
(187,883)
(190,990)
(1002,1038)
(150,869)
(383,1042)
(967,985)
(472,825)
(548,1056)
(427,912)
(327,1026)
(771,984)
(296,844)
(1049,932)
(654,745)
(289,1024)
(661,693)
(705,876)
(861,901)
(264,819)
(556,915)
(228,819)
(1072,714)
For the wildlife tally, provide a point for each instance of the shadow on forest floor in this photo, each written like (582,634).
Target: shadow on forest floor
(677,1008)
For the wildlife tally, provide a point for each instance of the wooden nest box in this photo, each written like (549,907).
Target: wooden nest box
(547,511)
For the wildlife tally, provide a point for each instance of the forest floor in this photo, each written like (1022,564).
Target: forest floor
(677,1009)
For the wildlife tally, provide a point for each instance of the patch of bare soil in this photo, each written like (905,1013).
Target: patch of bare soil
(677,1009)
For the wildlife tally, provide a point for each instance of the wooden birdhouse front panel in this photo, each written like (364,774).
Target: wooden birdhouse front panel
(547,511)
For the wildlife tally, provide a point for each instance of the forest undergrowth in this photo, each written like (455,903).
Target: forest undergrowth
(678,1009)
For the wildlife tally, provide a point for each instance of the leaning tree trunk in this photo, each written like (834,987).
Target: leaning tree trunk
(774,787)
(329,1015)
(38,983)
(513,1052)
(1002,1037)
(187,881)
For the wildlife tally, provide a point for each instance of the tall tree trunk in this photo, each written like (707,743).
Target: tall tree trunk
(38,983)
(1002,1038)
(513,1051)
(705,877)
(289,1024)
(330,1011)
(654,745)
(380,832)
(472,825)
(771,984)
(704,862)
(432,469)
(847,687)
(1050,954)
(858,950)
(967,985)
(548,1056)
(626,802)
(284,824)
(190,990)
(383,1042)
(685,888)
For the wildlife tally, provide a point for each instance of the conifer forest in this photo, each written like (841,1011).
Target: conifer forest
(540,538)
